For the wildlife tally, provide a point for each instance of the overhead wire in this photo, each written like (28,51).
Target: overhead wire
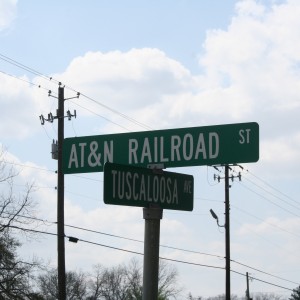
(272,187)
(263,272)
(139,253)
(275,204)
(266,198)
(273,225)
(112,235)
(272,194)
(51,79)
(23,80)
(101,116)
(270,224)
(27,166)
(164,246)
(264,281)
(108,246)
(118,113)
(22,66)
(280,246)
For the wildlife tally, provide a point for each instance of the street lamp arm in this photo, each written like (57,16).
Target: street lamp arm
(215,217)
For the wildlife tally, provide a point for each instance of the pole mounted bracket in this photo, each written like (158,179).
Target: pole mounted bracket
(153,212)
(156,166)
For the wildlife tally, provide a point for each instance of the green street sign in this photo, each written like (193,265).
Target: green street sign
(183,147)
(136,186)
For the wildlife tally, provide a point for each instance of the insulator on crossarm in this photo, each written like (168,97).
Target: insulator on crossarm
(69,115)
(42,119)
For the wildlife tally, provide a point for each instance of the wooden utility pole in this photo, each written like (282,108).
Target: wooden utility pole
(57,149)
(61,269)
(226,226)
(247,291)
(227,233)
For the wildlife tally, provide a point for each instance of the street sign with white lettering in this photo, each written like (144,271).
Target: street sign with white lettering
(142,187)
(195,146)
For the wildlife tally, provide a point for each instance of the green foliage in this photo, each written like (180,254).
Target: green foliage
(14,274)
(296,294)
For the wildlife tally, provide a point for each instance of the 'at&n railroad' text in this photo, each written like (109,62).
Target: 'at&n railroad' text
(194,146)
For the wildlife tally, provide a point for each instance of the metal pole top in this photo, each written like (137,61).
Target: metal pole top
(152,213)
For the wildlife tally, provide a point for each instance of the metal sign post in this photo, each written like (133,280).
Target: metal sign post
(153,189)
(152,216)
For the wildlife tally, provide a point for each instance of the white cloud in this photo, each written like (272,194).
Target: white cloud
(129,80)
(21,106)
(249,8)
(7,13)
(281,233)
(257,54)
(250,73)
(271,226)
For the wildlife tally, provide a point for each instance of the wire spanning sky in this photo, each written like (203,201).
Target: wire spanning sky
(145,65)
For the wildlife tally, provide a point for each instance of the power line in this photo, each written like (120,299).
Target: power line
(26,166)
(121,237)
(24,80)
(131,239)
(108,246)
(47,170)
(118,113)
(273,225)
(139,241)
(269,241)
(272,187)
(163,246)
(22,66)
(139,253)
(39,74)
(275,204)
(266,282)
(101,116)
(265,190)
(263,272)
(272,194)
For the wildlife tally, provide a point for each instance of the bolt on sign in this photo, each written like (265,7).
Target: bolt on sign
(142,187)
(183,147)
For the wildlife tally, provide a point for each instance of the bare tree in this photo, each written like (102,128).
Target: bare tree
(134,277)
(110,283)
(76,285)
(15,274)
(124,282)
(13,204)
(167,281)
(266,296)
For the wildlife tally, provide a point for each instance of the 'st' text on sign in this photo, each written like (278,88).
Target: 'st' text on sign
(136,186)
(194,146)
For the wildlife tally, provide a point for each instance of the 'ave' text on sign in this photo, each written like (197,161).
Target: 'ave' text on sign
(136,186)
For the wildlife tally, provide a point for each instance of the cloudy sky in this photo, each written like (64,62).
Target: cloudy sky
(143,65)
